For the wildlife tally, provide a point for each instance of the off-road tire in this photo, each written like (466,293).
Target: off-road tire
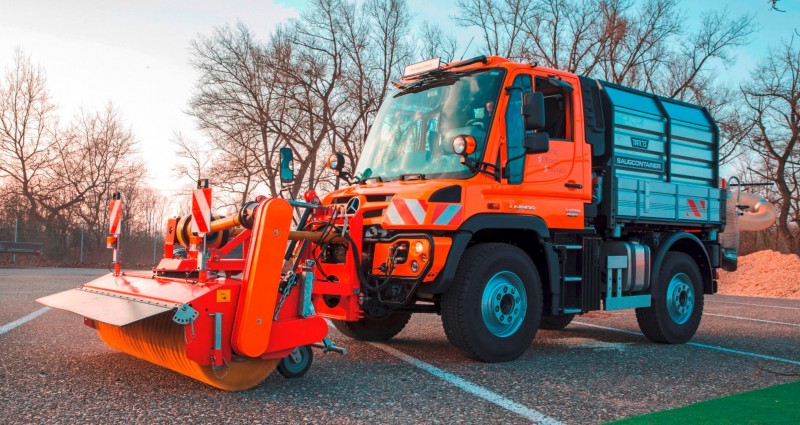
(461,305)
(556,323)
(369,329)
(656,321)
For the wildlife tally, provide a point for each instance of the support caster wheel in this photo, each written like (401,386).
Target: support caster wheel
(297,363)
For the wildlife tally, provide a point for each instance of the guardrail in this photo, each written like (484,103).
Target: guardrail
(21,248)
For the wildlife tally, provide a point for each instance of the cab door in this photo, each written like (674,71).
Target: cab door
(553,185)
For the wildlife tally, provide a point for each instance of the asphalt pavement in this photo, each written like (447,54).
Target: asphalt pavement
(54,369)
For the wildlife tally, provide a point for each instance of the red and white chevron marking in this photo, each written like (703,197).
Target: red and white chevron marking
(114,217)
(201,210)
(414,211)
(447,214)
(406,211)
(697,210)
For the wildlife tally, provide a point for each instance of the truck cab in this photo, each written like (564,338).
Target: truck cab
(498,194)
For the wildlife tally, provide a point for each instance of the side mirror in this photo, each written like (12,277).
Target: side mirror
(287,165)
(533,111)
(335,162)
(537,143)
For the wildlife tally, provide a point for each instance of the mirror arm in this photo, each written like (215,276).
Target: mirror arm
(482,167)
(344,175)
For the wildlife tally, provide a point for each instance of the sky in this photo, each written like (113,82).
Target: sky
(136,53)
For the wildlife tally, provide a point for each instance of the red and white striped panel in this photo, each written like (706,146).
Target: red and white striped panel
(114,217)
(201,210)
(447,214)
(698,208)
(406,211)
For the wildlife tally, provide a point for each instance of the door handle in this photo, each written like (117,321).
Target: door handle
(574,185)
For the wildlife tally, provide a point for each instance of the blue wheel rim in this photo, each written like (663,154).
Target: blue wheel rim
(680,298)
(297,360)
(504,304)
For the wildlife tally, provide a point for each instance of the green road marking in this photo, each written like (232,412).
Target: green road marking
(774,405)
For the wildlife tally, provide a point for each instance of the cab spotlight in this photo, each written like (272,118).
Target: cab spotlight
(335,161)
(464,145)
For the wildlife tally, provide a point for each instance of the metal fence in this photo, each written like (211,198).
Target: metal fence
(84,246)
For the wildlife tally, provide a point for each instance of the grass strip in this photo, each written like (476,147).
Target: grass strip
(773,405)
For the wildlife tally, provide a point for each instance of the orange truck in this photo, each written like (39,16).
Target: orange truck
(505,197)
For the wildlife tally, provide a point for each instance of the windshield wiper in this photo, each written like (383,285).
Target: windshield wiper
(432,79)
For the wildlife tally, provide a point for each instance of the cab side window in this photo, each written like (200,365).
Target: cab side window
(515,130)
(557,107)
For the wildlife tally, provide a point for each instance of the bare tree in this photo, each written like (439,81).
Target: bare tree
(434,42)
(27,131)
(718,35)
(312,87)
(193,159)
(563,34)
(773,99)
(97,156)
(499,21)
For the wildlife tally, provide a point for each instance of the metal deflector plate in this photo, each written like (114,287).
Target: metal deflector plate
(114,309)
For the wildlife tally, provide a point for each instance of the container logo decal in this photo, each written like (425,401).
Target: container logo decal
(406,211)
(639,143)
(444,214)
(639,164)
(698,209)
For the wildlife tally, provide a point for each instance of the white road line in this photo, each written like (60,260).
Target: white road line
(754,305)
(697,344)
(486,394)
(23,320)
(752,320)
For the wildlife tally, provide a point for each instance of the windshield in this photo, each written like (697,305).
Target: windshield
(414,129)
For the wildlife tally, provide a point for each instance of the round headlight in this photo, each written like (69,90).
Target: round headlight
(418,247)
(459,145)
(414,266)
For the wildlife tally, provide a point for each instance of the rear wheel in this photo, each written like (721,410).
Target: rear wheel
(677,304)
(556,323)
(371,329)
(493,309)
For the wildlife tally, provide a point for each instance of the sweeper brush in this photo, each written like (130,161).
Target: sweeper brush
(158,340)
(222,319)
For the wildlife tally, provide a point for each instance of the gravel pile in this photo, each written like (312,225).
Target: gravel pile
(763,274)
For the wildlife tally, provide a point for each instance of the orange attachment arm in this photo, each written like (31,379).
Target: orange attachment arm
(262,276)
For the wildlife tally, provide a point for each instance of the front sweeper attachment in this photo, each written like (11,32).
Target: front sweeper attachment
(227,322)
(160,341)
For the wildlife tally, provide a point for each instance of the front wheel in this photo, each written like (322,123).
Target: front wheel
(493,309)
(374,329)
(677,305)
(556,323)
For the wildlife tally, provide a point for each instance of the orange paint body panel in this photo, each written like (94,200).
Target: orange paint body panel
(262,277)
(289,334)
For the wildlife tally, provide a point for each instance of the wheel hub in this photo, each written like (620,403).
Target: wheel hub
(504,304)
(680,298)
